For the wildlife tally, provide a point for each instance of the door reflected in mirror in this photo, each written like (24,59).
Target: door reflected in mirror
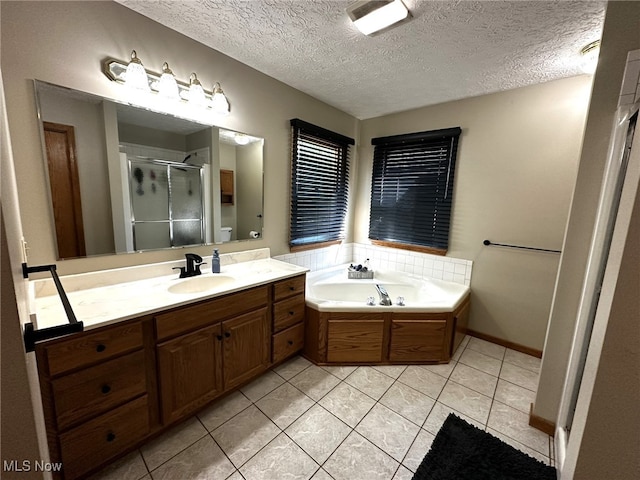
(126,179)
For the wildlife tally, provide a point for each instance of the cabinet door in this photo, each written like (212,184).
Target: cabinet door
(246,347)
(414,340)
(189,371)
(226,187)
(355,340)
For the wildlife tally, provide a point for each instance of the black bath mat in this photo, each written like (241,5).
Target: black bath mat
(463,451)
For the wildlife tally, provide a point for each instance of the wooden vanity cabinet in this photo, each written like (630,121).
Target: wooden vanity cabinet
(98,394)
(229,346)
(106,390)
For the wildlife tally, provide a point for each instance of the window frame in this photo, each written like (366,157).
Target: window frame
(313,168)
(392,160)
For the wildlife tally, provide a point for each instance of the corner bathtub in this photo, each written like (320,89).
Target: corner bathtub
(331,291)
(340,328)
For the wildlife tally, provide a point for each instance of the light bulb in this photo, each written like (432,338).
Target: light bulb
(589,60)
(196,92)
(135,76)
(167,86)
(219,101)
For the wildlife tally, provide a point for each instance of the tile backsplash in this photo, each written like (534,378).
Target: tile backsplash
(432,266)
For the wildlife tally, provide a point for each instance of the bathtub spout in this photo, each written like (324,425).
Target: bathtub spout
(384,296)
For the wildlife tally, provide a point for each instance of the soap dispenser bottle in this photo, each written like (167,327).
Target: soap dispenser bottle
(215,262)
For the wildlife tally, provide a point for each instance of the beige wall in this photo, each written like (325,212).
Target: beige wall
(22,436)
(37,36)
(516,166)
(621,34)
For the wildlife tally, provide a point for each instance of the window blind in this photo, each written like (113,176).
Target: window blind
(319,184)
(412,187)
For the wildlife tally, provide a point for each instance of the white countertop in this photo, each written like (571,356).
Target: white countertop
(102,305)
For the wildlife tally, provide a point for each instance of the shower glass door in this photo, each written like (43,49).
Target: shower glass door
(166,204)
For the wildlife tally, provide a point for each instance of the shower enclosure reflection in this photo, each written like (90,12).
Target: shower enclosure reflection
(144,180)
(166,204)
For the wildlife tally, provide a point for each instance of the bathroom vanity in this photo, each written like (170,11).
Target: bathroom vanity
(106,390)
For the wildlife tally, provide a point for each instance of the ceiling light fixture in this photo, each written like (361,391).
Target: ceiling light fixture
(135,76)
(242,139)
(589,57)
(372,16)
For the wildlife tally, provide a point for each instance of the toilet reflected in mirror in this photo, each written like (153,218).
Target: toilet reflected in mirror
(225,234)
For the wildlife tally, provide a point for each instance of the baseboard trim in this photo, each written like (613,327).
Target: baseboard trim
(505,343)
(540,423)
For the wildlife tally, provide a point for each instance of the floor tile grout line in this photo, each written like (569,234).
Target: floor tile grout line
(182,450)
(493,399)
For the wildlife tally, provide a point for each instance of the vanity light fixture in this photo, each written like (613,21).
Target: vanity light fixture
(135,75)
(589,57)
(371,16)
(219,101)
(165,84)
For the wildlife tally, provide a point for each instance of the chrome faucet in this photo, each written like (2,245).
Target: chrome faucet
(384,296)
(192,267)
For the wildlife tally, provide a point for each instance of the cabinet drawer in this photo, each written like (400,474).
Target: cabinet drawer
(104,437)
(191,318)
(288,287)
(85,349)
(288,312)
(288,342)
(95,390)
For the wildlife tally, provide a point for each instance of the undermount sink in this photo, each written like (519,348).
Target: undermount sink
(200,284)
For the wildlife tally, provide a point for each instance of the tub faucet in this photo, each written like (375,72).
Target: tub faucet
(384,296)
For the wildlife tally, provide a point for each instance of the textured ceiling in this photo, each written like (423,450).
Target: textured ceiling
(448,51)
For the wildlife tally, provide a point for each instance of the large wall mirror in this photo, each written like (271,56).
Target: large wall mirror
(127,179)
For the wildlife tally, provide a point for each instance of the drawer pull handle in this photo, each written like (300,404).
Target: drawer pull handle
(292,312)
(100,348)
(290,342)
(227,334)
(111,437)
(219,337)
(105,389)
(292,288)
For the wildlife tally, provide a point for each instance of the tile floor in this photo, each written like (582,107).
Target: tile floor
(301,421)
